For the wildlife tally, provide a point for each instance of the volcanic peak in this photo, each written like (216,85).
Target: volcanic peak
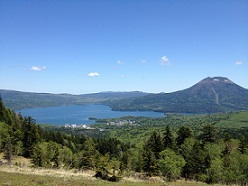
(216,80)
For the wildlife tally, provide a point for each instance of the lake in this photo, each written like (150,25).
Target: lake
(79,114)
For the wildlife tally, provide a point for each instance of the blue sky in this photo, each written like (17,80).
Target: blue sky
(64,46)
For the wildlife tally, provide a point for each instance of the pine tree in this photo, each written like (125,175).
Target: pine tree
(168,139)
(30,137)
(149,162)
(155,144)
(182,134)
(209,134)
(195,162)
(151,151)
(89,153)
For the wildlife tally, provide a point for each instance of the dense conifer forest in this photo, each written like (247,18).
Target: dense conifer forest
(173,151)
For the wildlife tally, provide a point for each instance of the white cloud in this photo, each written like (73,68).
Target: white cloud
(38,68)
(120,62)
(239,63)
(143,61)
(93,74)
(164,61)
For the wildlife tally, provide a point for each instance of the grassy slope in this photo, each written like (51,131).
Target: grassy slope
(19,179)
(25,175)
(236,120)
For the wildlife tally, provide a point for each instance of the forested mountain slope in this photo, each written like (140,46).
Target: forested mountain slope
(217,94)
(18,100)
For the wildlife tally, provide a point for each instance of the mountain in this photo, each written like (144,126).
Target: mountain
(18,100)
(114,95)
(210,95)
(217,94)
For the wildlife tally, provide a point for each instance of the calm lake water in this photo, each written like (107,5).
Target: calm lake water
(79,114)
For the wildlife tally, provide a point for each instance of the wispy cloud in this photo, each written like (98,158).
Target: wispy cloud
(120,62)
(38,68)
(143,61)
(238,63)
(164,61)
(93,74)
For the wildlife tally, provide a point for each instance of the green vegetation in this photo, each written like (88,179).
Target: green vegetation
(235,120)
(174,147)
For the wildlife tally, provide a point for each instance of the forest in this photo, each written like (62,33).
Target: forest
(174,148)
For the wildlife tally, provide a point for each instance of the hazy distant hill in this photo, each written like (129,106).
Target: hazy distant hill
(114,95)
(217,94)
(18,100)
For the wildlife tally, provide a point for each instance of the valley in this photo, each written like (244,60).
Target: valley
(209,145)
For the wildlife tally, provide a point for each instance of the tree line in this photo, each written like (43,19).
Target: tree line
(172,154)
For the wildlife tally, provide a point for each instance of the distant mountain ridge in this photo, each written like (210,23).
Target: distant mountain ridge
(18,100)
(210,95)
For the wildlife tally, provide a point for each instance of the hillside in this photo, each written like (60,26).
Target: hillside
(18,100)
(236,120)
(114,95)
(210,95)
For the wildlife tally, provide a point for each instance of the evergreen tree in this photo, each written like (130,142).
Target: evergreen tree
(149,161)
(88,154)
(131,159)
(38,157)
(30,135)
(209,134)
(42,155)
(195,162)
(4,135)
(53,149)
(155,144)
(102,163)
(182,134)
(168,139)
(151,150)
